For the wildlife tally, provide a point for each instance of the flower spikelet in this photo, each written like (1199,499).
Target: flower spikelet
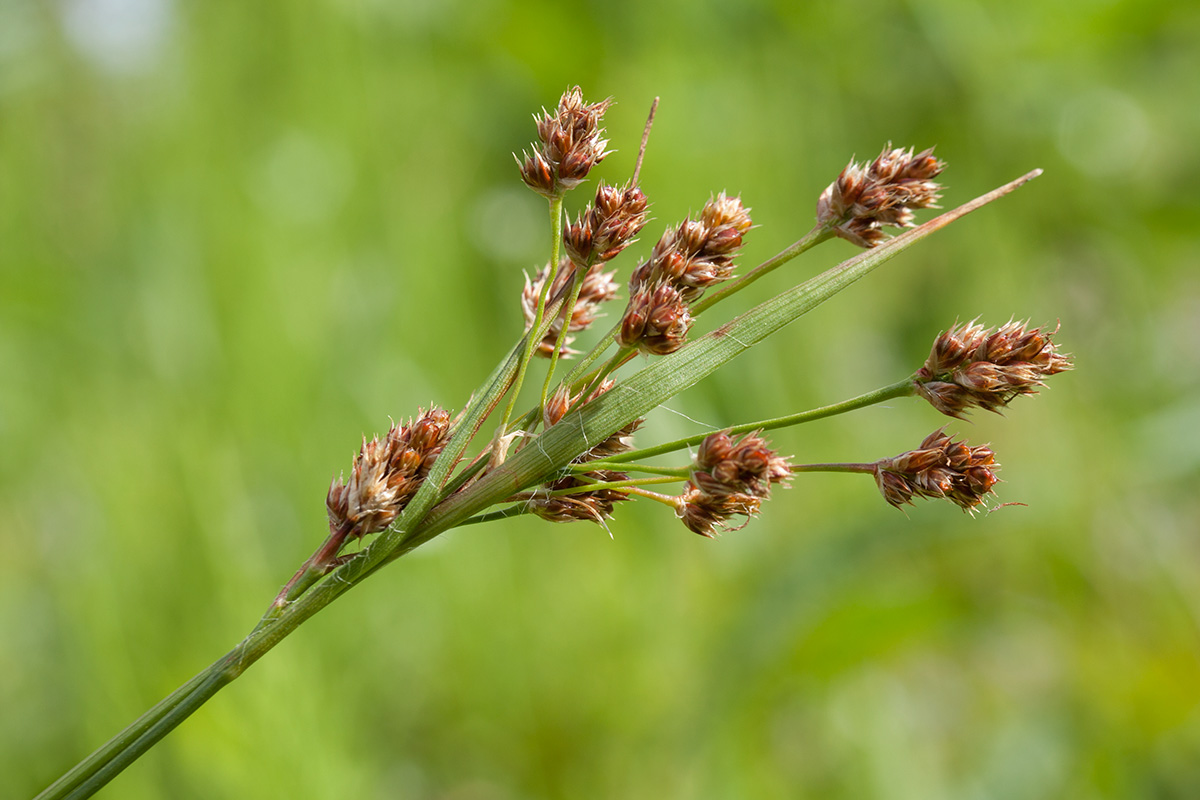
(595,505)
(864,198)
(687,260)
(608,226)
(729,477)
(970,366)
(571,143)
(386,474)
(939,468)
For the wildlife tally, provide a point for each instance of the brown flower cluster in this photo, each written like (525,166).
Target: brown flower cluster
(729,477)
(571,144)
(596,505)
(386,474)
(971,366)
(685,261)
(608,226)
(864,198)
(938,468)
(598,287)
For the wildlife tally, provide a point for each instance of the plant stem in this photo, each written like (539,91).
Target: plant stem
(577,279)
(806,242)
(433,511)
(556,205)
(902,388)
(833,468)
(592,466)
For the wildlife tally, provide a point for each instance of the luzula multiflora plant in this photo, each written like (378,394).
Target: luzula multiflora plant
(571,456)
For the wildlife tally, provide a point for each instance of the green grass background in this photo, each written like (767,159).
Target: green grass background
(235,237)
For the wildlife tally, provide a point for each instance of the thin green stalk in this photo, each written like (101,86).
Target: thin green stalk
(556,205)
(902,388)
(567,312)
(592,466)
(807,242)
(833,468)
(593,485)
(589,358)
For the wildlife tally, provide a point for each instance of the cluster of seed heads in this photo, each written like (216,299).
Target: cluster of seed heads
(559,500)
(571,144)
(939,468)
(971,366)
(864,198)
(386,474)
(729,477)
(686,260)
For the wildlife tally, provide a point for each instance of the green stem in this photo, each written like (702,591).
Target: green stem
(556,204)
(833,468)
(807,242)
(593,485)
(902,388)
(592,466)
(592,355)
(567,312)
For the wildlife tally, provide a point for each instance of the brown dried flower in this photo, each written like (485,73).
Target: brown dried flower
(571,144)
(938,468)
(598,287)
(386,474)
(971,366)
(657,319)
(707,514)
(621,441)
(687,260)
(594,506)
(865,198)
(729,477)
(608,226)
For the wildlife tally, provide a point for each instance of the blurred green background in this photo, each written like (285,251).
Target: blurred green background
(235,237)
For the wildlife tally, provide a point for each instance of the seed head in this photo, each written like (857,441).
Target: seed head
(746,465)
(657,320)
(571,144)
(687,260)
(386,474)
(864,198)
(707,514)
(594,506)
(699,253)
(729,477)
(971,366)
(608,226)
(619,442)
(939,468)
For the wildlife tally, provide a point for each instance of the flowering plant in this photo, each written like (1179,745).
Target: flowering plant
(571,456)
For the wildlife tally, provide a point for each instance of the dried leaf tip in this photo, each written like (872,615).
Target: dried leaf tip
(864,198)
(939,468)
(970,366)
(571,143)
